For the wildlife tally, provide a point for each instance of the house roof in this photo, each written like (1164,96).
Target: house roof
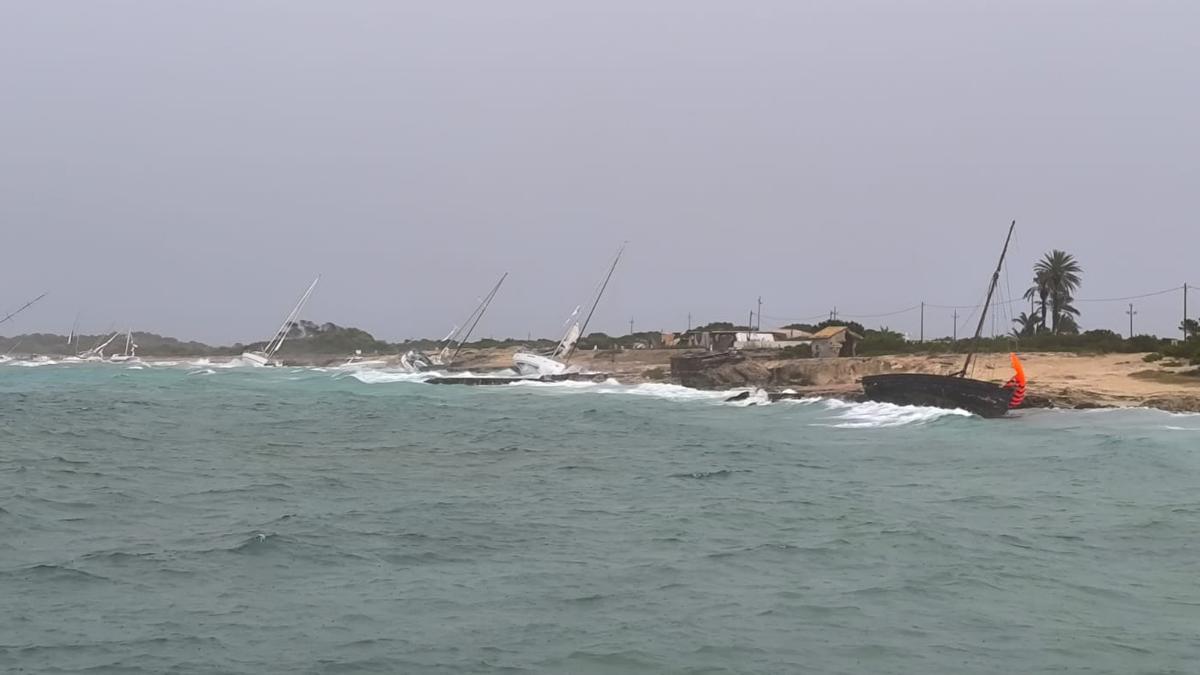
(793,333)
(829,332)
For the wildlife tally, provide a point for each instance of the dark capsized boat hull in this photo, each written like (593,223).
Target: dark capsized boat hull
(985,399)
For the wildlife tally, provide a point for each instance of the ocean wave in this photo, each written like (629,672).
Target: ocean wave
(376,376)
(209,363)
(661,390)
(704,475)
(51,573)
(874,414)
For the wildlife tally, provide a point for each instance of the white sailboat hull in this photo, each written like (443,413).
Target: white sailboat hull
(419,362)
(256,359)
(527,363)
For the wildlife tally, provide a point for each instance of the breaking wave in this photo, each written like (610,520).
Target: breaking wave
(873,414)
(372,376)
(34,364)
(670,392)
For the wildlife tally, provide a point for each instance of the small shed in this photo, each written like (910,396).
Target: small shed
(833,341)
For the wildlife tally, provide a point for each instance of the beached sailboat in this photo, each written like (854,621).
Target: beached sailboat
(96,353)
(130,353)
(558,362)
(417,361)
(955,391)
(266,356)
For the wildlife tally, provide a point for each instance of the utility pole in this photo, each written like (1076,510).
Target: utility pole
(760,312)
(750,323)
(689,322)
(631,326)
(833,314)
(956,325)
(922,321)
(1184,324)
(1131,313)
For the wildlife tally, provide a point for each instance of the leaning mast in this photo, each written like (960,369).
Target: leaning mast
(583,328)
(987,303)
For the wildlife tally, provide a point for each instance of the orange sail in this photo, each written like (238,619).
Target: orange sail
(1017,383)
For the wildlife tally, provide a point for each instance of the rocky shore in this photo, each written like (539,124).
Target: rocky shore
(1056,380)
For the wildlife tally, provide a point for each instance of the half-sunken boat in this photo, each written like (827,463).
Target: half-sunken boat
(956,390)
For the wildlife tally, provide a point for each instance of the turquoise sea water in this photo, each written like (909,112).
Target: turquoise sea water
(202,520)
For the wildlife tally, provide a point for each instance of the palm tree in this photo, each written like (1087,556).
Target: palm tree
(1027,325)
(1041,291)
(1060,274)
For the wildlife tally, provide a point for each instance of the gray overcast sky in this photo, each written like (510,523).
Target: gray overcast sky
(187,167)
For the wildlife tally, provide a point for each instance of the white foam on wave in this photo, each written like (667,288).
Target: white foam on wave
(34,364)
(374,376)
(202,371)
(756,397)
(660,390)
(205,362)
(873,414)
(807,400)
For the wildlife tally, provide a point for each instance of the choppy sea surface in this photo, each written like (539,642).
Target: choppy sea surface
(196,519)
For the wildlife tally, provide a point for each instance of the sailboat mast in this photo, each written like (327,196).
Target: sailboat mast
(478,315)
(583,328)
(281,334)
(987,303)
(22,308)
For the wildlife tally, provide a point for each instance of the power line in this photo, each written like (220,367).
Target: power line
(826,315)
(1131,297)
(975,306)
(1002,303)
(876,316)
(822,315)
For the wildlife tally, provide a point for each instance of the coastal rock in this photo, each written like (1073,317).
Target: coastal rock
(824,372)
(1176,403)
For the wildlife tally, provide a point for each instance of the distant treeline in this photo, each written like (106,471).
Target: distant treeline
(307,338)
(877,342)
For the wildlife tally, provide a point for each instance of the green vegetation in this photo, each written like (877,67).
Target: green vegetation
(1188,349)
(719,325)
(1190,328)
(794,352)
(643,340)
(1056,277)
(1152,357)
